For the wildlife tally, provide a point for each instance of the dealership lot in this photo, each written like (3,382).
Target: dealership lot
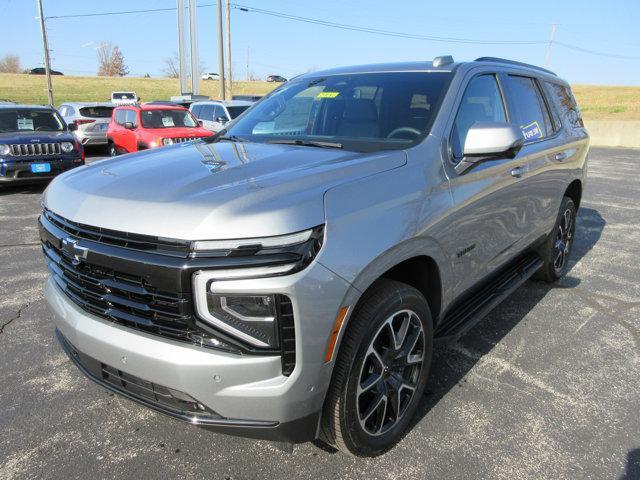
(546,387)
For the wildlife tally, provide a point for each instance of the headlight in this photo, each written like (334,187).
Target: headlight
(67,147)
(167,141)
(248,317)
(5,150)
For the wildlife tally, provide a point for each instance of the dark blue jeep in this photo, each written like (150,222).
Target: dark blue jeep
(35,144)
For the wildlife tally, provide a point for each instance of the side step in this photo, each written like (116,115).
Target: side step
(473,307)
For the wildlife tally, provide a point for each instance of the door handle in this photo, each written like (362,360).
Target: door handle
(560,156)
(517,172)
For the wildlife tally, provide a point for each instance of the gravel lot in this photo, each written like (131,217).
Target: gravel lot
(547,386)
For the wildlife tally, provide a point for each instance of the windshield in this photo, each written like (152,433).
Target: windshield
(236,111)
(363,112)
(168,119)
(26,120)
(123,95)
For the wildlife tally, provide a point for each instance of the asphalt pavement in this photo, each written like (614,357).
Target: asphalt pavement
(547,386)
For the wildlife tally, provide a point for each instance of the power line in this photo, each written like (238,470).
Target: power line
(124,12)
(387,33)
(593,52)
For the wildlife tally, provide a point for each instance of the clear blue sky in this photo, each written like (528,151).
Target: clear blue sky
(287,47)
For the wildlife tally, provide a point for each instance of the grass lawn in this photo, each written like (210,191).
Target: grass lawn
(33,88)
(596,101)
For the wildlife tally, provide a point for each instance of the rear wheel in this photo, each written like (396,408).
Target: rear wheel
(556,249)
(381,370)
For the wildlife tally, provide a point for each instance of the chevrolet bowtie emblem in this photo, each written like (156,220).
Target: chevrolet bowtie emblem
(71,249)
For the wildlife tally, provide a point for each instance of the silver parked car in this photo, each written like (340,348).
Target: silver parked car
(215,114)
(287,279)
(91,118)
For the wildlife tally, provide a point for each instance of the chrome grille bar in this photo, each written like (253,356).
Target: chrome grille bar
(24,149)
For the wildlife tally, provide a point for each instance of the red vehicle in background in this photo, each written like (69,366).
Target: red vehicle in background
(138,127)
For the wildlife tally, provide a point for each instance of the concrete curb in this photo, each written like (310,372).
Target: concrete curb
(614,133)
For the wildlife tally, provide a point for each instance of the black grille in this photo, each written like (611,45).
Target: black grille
(287,333)
(122,298)
(120,239)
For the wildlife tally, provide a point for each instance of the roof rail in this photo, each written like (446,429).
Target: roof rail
(442,60)
(513,62)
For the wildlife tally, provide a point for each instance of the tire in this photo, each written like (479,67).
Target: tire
(556,249)
(351,421)
(112,150)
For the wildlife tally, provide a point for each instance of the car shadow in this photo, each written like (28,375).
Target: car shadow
(632,469)
(36,188)
(482,338)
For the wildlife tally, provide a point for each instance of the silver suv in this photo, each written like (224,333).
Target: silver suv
(286,279)
(91,118)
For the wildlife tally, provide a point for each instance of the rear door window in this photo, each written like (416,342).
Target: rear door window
(565,102)
(482,102)
(530,112)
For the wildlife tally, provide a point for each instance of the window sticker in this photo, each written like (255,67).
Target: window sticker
(25,123)
(168,122)
(531,131)
(328,94)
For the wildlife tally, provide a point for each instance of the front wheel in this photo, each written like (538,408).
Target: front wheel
(381,370)
(556,249)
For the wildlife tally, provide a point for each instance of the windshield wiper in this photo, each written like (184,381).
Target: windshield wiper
(307,143)
(231,138)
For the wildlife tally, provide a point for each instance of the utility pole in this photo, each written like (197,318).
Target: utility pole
(227,13)
(552,37)
(220,51)
(45,46)
(195,58)
(247,74)
(182,54)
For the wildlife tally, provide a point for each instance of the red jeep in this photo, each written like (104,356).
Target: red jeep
(138,127)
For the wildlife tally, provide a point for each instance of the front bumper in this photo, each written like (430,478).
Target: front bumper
(20,171)
(247,393)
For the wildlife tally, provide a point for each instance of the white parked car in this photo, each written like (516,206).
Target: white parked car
(215,114)
(210,76)
(124,98)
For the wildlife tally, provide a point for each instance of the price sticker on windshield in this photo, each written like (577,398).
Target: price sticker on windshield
(168,122)
(328,94)
(25,123)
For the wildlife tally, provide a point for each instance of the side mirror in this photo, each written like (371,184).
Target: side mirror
(129,125)
(72,127)
(487,141)
(222,119)
(200,123)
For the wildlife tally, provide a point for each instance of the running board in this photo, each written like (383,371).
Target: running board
(473,307)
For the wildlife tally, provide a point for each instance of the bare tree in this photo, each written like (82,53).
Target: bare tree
(111,61)
(172,69)
(10,64)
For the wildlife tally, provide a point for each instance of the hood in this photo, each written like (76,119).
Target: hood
(199,191)
(36,137)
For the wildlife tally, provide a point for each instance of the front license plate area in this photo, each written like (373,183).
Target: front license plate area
(40,167)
